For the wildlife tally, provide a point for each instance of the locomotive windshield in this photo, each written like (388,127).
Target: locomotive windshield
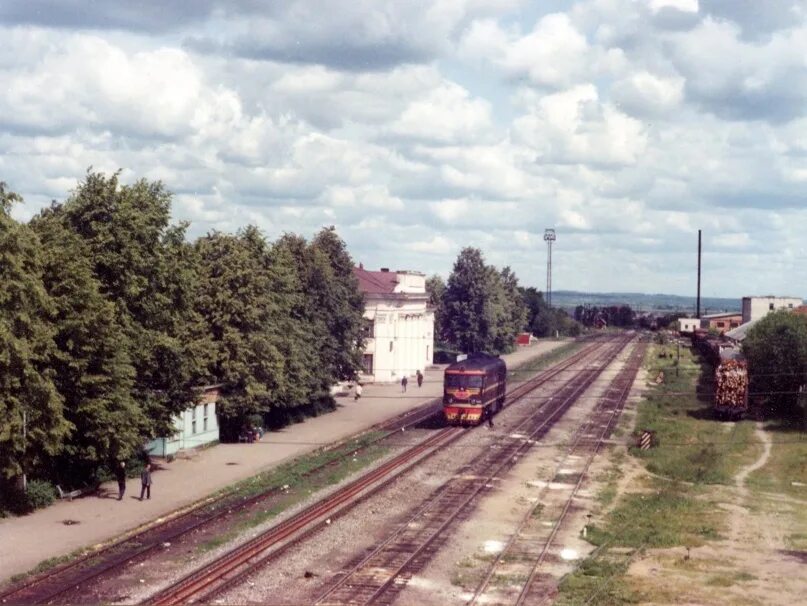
(463,381)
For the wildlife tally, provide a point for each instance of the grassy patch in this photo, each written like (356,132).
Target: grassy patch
(599,580)
(610,478)
(730,578)
(786,469)
(691,445)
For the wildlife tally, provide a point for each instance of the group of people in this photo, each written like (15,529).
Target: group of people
(404,383)
(145,480)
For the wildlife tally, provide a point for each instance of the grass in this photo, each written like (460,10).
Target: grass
(692,452)
(786,470)
(691,445)
(610,479)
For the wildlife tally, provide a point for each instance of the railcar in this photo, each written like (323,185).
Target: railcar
(730,374)
(474,389)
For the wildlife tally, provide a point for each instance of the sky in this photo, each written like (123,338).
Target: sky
(419,127)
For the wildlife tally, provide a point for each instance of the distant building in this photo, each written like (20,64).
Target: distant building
(399,325)
(722,322)
(755,308)
(688,325)
(801,310)
(195,426)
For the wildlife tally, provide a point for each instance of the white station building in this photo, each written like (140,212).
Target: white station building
(399,325)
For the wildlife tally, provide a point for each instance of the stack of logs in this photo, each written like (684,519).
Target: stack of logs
(731,384)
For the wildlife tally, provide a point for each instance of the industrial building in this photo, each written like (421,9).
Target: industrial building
(399,325)
(721,322)
(755,308)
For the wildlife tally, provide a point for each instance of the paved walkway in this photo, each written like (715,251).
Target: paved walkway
(28,540)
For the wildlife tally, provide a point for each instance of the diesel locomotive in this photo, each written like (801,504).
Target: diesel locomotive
(474,389)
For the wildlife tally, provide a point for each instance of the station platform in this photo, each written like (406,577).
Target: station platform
(95,519)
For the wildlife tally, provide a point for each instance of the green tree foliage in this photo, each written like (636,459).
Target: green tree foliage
(613,315)
(146,270)
(776,349)
(483,309)
(91,365)
(435,289)
(238,306)
(26,349)
(336,299)
(545,321)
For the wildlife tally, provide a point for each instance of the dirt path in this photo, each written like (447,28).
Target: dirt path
(751,565)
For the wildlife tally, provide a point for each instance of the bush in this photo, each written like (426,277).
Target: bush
(40,494)
(13,500)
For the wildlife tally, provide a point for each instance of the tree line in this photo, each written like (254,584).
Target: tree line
(111,320)
(482,308)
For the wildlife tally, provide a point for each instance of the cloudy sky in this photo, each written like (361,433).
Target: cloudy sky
(418,127)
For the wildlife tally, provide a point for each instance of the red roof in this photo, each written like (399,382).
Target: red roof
(376,282)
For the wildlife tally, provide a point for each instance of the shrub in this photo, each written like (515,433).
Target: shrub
(39,494)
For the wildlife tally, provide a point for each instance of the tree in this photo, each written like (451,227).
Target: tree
(335,294)
(466,303)
(145,268)
(32,423)
(482,307)
(435,289)
(236,302)
(91,365)
(776,349)
(545,321)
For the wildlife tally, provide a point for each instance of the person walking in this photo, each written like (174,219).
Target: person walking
(120,476)
(490,419)
(404,383)
(420,378)
(145,482)
(358,391)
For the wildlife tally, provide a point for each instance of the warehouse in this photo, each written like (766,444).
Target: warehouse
(755,308)
(721,322)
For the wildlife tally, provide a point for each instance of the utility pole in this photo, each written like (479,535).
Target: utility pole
(698,315)
(549,237)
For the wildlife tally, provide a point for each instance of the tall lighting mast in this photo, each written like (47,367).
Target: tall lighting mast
(549,237)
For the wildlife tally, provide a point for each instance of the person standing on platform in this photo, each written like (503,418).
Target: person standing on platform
(358,391)
(120,476)
(404,383)
(145,482)
(420,378)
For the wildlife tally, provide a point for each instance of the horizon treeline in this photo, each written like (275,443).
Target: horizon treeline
(110,321)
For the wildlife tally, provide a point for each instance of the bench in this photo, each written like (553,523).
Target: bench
(68,495)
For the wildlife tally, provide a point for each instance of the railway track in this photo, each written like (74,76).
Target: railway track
(65,579)
(234,566)
(533,541)
(380,576)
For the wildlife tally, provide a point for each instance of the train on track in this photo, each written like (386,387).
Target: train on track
(731,374)
(474,389)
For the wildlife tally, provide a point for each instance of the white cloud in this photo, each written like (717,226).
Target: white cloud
(418,128)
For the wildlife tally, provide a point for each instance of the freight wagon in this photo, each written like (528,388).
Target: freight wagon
(474,389)
(730,374)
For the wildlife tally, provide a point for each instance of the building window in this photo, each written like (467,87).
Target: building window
(204,419)
(368,329)
(721,324)
(367,364)
(390,345)
(790,305)
(770,306)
